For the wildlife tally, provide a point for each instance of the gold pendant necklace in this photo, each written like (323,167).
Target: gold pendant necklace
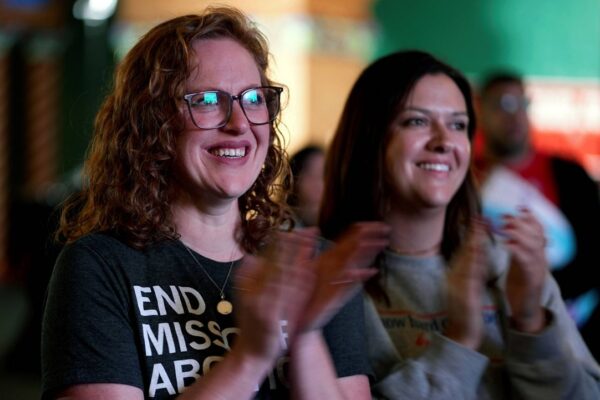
(224,306)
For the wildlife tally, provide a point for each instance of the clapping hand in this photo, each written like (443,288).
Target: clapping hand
(466,282)
(287,282)
(525,241)
(341,270)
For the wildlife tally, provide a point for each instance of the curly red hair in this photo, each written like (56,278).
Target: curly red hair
(130,162)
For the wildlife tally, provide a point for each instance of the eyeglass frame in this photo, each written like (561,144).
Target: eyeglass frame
(188,99)
(510,103)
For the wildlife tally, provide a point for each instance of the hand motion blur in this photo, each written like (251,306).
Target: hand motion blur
(288,283)
(466,282)
(524,239)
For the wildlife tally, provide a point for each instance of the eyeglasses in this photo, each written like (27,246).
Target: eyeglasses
(509,103)
(211,109)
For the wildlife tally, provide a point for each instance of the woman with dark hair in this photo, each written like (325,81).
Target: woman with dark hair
(307,166)
(456,312)
(176,232)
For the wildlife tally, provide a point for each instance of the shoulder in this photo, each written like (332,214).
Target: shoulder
(568,167)
(101,243)
(90,251)
(108,248)
(571,178)
(85,264)
(103,255)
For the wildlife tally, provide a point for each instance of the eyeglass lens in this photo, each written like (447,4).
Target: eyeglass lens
(212,109)
(511,104)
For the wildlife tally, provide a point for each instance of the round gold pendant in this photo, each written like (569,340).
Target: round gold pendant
(224,307)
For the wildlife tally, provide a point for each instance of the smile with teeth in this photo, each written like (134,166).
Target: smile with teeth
(434,167)
(229,153)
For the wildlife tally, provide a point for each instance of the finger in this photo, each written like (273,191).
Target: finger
(352,276)
(310,231)
(364,240)
(369,230)
(527,222)
(527,216)
(247,272)
(534,225)
(290,245)
(469,262)
(521,234)
(280,249)
(524,230)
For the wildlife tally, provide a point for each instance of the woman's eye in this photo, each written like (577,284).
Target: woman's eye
(414,122)
(253,97)
(459,125)
(205,100)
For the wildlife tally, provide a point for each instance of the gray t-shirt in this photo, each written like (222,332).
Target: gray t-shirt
(148,318)
(412,359)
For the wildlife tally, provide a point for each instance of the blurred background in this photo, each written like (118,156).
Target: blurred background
(57,58)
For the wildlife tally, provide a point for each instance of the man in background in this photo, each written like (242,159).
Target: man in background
(565,188)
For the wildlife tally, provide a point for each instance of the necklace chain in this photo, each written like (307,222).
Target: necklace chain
(414,252)
(222,289)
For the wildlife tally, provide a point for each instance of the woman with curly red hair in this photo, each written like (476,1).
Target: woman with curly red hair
(176,232)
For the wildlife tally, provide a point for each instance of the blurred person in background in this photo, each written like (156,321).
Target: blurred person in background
(307,166)
(559,191)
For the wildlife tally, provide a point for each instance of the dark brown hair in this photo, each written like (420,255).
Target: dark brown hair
(499,78)
(130,162)
(355,183)
(298,163)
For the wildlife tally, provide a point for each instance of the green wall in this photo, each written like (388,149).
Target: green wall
(535,37)
(87,75)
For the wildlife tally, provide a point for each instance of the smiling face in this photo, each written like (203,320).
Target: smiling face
(428,150)
(215,165)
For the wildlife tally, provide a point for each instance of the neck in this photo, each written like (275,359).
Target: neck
(210,232)
(416,234)
(425,252)
(514,160)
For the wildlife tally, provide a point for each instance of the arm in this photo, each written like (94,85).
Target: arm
(235,377)
(564,366)
(313,375)
(86,332)
(542,334)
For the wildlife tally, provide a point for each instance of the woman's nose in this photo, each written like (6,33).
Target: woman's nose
(238,122)
(440,139)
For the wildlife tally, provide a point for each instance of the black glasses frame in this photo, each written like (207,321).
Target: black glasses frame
(188,99)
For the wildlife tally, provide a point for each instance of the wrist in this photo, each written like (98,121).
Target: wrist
(531,324)
(470,341)
(306,339)
(248,359)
